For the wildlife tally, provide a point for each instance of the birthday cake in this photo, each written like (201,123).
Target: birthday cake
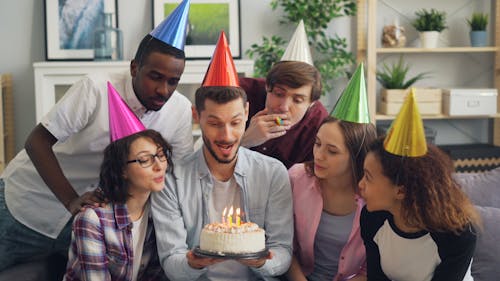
(232,239)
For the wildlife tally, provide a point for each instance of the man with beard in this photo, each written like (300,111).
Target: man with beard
(221,174)
(56,175)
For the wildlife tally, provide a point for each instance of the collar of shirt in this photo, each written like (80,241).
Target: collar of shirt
(240,170)
(131,99)
(121,215)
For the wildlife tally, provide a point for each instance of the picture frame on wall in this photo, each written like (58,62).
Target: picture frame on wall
(70,26)
(207,18)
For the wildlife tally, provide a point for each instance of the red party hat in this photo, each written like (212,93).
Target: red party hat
(122,121)
(221,70)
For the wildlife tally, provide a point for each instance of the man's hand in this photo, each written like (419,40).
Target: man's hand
(256,262)
(263,127)
(94,198)
(199,262)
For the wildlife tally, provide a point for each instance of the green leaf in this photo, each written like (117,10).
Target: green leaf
(394,76)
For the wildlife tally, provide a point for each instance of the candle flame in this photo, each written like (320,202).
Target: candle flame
(230,211)
(224,212)
(238,211)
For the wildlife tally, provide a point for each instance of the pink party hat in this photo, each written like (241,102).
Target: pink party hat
(172,30)
(122,121)
(221,71)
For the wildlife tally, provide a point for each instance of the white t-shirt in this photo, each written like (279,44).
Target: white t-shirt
(226,194)
(80,123)
(138,236)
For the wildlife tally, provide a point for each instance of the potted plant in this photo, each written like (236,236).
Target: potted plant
(330,53)
(429,24)
(393,79)
(478,23)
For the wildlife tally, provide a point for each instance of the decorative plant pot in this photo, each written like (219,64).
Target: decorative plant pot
(429,39)
(478,38)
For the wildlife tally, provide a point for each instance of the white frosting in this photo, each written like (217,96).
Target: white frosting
(220,238)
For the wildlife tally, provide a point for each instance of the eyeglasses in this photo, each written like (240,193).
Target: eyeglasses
(147,160)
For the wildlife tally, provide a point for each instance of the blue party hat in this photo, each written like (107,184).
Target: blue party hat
(172,30)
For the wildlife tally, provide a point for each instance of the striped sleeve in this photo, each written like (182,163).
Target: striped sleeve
(91,249)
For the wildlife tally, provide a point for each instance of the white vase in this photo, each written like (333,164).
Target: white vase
(429,39)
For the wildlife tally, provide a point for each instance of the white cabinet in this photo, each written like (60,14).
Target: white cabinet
(53,78)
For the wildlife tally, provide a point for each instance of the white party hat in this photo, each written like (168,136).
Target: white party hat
(298,48)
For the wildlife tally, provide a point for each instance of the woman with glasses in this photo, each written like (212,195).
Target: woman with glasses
(116,241)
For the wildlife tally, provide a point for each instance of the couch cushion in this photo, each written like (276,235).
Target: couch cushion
(482,188)
(486,262)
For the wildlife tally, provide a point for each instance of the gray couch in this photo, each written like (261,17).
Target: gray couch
(484,191)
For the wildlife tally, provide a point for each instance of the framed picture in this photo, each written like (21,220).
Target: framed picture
(70,26)
(206,20)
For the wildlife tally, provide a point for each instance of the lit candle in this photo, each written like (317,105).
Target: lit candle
(230,217)
(238,219)
(224,216)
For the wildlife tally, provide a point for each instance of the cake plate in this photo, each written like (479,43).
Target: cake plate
(247,256)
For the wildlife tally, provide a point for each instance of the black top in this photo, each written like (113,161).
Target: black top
(395,255)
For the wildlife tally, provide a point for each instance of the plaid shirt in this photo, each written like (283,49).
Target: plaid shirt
(102,248)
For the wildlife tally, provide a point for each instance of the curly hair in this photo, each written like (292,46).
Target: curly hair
(433,199)
(111,180)
(295,74)
(357,138)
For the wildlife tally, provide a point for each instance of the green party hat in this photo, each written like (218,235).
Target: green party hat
(352,105)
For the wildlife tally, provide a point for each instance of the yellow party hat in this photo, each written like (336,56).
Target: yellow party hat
(406,136)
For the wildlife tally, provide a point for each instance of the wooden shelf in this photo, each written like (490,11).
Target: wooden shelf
(381,117)
(438,50)
(369,51)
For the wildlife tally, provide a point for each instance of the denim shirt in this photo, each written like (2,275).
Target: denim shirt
(180,211)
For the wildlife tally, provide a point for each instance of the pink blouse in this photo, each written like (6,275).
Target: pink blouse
(307,208)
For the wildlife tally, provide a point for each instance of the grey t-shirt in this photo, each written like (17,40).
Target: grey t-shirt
(332,235)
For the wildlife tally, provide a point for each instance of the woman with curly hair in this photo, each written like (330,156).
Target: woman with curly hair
(116,241)
(417,223)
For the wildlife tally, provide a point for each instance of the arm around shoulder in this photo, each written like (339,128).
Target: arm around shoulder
(39,148)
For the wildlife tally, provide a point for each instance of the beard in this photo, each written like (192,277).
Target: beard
(214,155)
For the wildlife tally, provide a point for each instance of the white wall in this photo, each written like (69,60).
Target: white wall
(22,37)
(22,34)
